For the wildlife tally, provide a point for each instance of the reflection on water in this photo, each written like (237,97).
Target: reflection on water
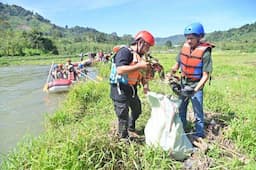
(23,104)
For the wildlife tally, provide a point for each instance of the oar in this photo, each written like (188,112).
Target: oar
(85,75)
(48,78)
(99,78)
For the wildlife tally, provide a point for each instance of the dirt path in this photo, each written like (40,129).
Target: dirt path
(215,128)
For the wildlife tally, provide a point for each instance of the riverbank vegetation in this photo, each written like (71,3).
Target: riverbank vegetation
(81,133)
(36,60)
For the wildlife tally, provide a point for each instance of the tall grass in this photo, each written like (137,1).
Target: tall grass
(80,134)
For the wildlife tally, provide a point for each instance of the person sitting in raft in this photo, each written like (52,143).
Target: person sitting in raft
(59,72)
(81,70)
(70,72)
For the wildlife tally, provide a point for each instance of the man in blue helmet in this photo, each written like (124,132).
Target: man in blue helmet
(195,63)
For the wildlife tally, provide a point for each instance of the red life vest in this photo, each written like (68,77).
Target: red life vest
(192,62)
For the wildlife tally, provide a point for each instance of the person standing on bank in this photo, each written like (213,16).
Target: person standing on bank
(124,77)
(195,63)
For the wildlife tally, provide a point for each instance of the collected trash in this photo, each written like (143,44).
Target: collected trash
(164,127)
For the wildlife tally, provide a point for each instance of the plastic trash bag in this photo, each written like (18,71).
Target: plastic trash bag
(164,127)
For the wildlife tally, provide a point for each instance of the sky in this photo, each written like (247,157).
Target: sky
(163,18)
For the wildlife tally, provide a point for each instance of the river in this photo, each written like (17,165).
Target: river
(23,104)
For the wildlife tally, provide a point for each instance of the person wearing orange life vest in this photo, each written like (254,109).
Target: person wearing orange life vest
(195,63)
(124,78)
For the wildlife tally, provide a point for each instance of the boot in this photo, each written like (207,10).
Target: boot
(122,130)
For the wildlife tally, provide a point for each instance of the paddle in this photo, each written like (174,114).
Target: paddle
(45,89)
(85,75)
(99,78)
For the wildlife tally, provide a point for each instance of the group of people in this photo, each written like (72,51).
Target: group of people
(194,61)
(95,57)
(74,72)
(68,71)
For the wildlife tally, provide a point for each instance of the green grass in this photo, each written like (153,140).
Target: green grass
(36,60)
(80,134)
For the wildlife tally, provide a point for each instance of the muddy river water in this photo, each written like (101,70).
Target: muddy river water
(23,104)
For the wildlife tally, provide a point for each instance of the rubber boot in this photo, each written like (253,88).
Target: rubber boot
(122,130)
(131,125)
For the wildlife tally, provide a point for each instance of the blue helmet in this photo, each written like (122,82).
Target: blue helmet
(80,65)
(55,66)
(195,28)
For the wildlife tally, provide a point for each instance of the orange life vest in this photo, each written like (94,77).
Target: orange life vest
(131,78)
(192,62)
(134,76)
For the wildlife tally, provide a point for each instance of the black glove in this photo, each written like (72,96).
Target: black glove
(187,91)
(176,87)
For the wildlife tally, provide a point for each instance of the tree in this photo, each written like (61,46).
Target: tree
(169,44)
(37,41)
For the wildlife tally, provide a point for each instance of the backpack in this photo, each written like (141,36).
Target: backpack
(114,78)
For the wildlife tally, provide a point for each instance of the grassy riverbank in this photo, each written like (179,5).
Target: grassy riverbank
(80,135)
(35,60)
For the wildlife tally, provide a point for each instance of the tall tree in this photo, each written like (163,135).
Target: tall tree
(168,44)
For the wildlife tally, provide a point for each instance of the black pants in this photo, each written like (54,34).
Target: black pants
(125,120)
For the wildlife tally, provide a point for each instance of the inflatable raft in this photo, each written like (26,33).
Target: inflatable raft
(59,85)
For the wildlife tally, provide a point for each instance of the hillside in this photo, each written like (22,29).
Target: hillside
(242,38)
(23,32)
(19,18)
(239,37)
(245,33)
(176,39)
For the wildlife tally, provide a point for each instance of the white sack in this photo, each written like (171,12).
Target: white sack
(164,127)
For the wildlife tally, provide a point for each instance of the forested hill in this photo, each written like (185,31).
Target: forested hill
(16,17)
(242,38)
(244,33)
(23,32)
(175,40)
